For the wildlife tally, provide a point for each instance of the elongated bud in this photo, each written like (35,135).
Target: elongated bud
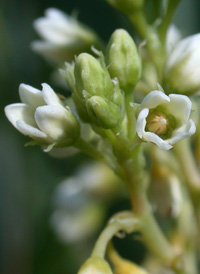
(126,6)
(102,113)
(182,74)
(95,265)
(123,59)
(91,75)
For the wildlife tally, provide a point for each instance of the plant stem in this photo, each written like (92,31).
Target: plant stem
(130,111)
(106,235)
(89,149)
(154,46)
(172,5)
(153,237)
(188,165)
(125,221)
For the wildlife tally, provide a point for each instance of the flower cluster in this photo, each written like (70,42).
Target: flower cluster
(129,105)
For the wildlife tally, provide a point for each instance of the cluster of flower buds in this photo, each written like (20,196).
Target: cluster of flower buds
(98,90)
(99,86)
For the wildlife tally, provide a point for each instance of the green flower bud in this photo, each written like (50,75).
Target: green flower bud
(95,265)
(102,113)
(123,59)
(92,76)
(126,6)
(81,108)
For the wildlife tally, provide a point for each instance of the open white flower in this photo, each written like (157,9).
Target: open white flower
(182,73)
(63,36)
(164,120)
(43,117)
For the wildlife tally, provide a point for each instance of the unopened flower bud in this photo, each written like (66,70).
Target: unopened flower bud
(95,265)
(182,74)
(126,6)
(92,76)
(102,113)
(123,59)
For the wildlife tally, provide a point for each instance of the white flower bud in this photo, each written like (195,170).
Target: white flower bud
(182,73)
(42,116)
(164,120)
(63,37)
(173,37)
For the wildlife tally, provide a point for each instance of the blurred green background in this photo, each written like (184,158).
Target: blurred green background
(28,176)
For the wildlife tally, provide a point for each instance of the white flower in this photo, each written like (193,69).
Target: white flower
(173,37)
(63,36)
(182,73)
(164,120)
(43,117)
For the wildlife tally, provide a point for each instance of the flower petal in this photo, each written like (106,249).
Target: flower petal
(31,96)
(141,122)
(153,138)
(56,27)
(183,132)
(15,112)
(50,96)
(153,99)
(182,49)
(180,107)
(56,14)
(30,131)
(53,120)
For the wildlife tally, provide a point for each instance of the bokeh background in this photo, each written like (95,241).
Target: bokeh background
(28,177)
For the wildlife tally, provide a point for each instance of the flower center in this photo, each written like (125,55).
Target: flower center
(157,123)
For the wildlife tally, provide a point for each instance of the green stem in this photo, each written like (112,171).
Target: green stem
(172,5)
(139,21)
(130,111)
(188,165)
(89,150)
(155,240)
(125,221)
(104,238)
(154,46)
(153,237)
